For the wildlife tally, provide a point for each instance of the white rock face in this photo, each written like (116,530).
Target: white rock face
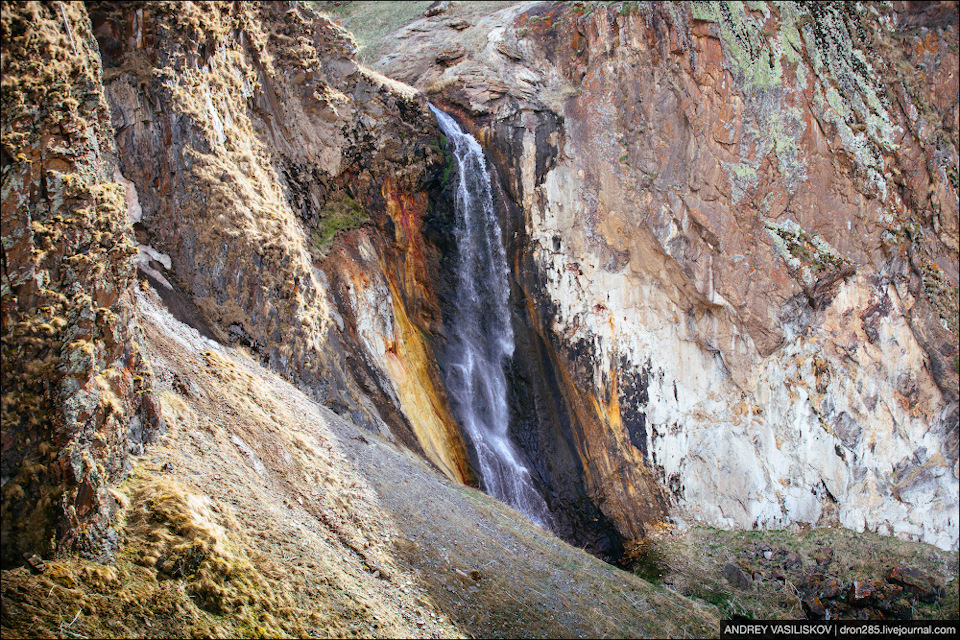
(145,254)
(832,427)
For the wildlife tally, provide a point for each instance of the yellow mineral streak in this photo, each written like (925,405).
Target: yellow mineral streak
(413,372)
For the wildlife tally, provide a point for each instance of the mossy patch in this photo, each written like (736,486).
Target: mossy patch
(339,214)
(183,571)
(942,295)
(807,255)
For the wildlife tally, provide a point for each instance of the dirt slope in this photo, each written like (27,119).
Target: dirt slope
(262,513)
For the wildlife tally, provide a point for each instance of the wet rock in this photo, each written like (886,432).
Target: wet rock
(684,154)
(737,576)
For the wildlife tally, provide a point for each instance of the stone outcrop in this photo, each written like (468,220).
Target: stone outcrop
(274,192)
(736,237)
(76,395)
(252,136)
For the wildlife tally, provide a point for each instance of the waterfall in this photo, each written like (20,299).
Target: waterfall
(481,337)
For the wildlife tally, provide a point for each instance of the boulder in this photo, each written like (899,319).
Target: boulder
(737,576)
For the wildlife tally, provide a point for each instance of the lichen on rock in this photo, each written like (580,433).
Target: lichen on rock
(67,315)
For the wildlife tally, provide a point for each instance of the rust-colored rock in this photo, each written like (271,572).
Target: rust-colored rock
(915,582)
(814,609)
(830,588)
(709,196)
(861,591)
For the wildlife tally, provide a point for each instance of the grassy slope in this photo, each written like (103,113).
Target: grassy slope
(692,563)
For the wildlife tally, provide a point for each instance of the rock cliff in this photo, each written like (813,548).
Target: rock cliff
(736,243)
(733,235)
(272,190)
(76,395)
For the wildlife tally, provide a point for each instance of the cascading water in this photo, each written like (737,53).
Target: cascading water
(481,338)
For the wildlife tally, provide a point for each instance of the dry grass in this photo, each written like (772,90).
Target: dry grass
(371,22)
(261,513)
(691,563)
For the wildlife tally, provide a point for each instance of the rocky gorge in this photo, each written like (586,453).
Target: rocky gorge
(230,302)
(717,209)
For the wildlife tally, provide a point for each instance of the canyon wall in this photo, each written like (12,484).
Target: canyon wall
(735,238)
(273,192)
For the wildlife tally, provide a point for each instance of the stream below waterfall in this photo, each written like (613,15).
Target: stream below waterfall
(481,340)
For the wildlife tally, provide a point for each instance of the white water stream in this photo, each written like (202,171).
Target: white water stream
(481,337)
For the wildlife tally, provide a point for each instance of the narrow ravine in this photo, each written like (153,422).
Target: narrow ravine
(481,336)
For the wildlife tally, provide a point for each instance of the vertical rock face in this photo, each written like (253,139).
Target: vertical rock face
(74,382)
(737,241)
(252,136)
(275,193)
